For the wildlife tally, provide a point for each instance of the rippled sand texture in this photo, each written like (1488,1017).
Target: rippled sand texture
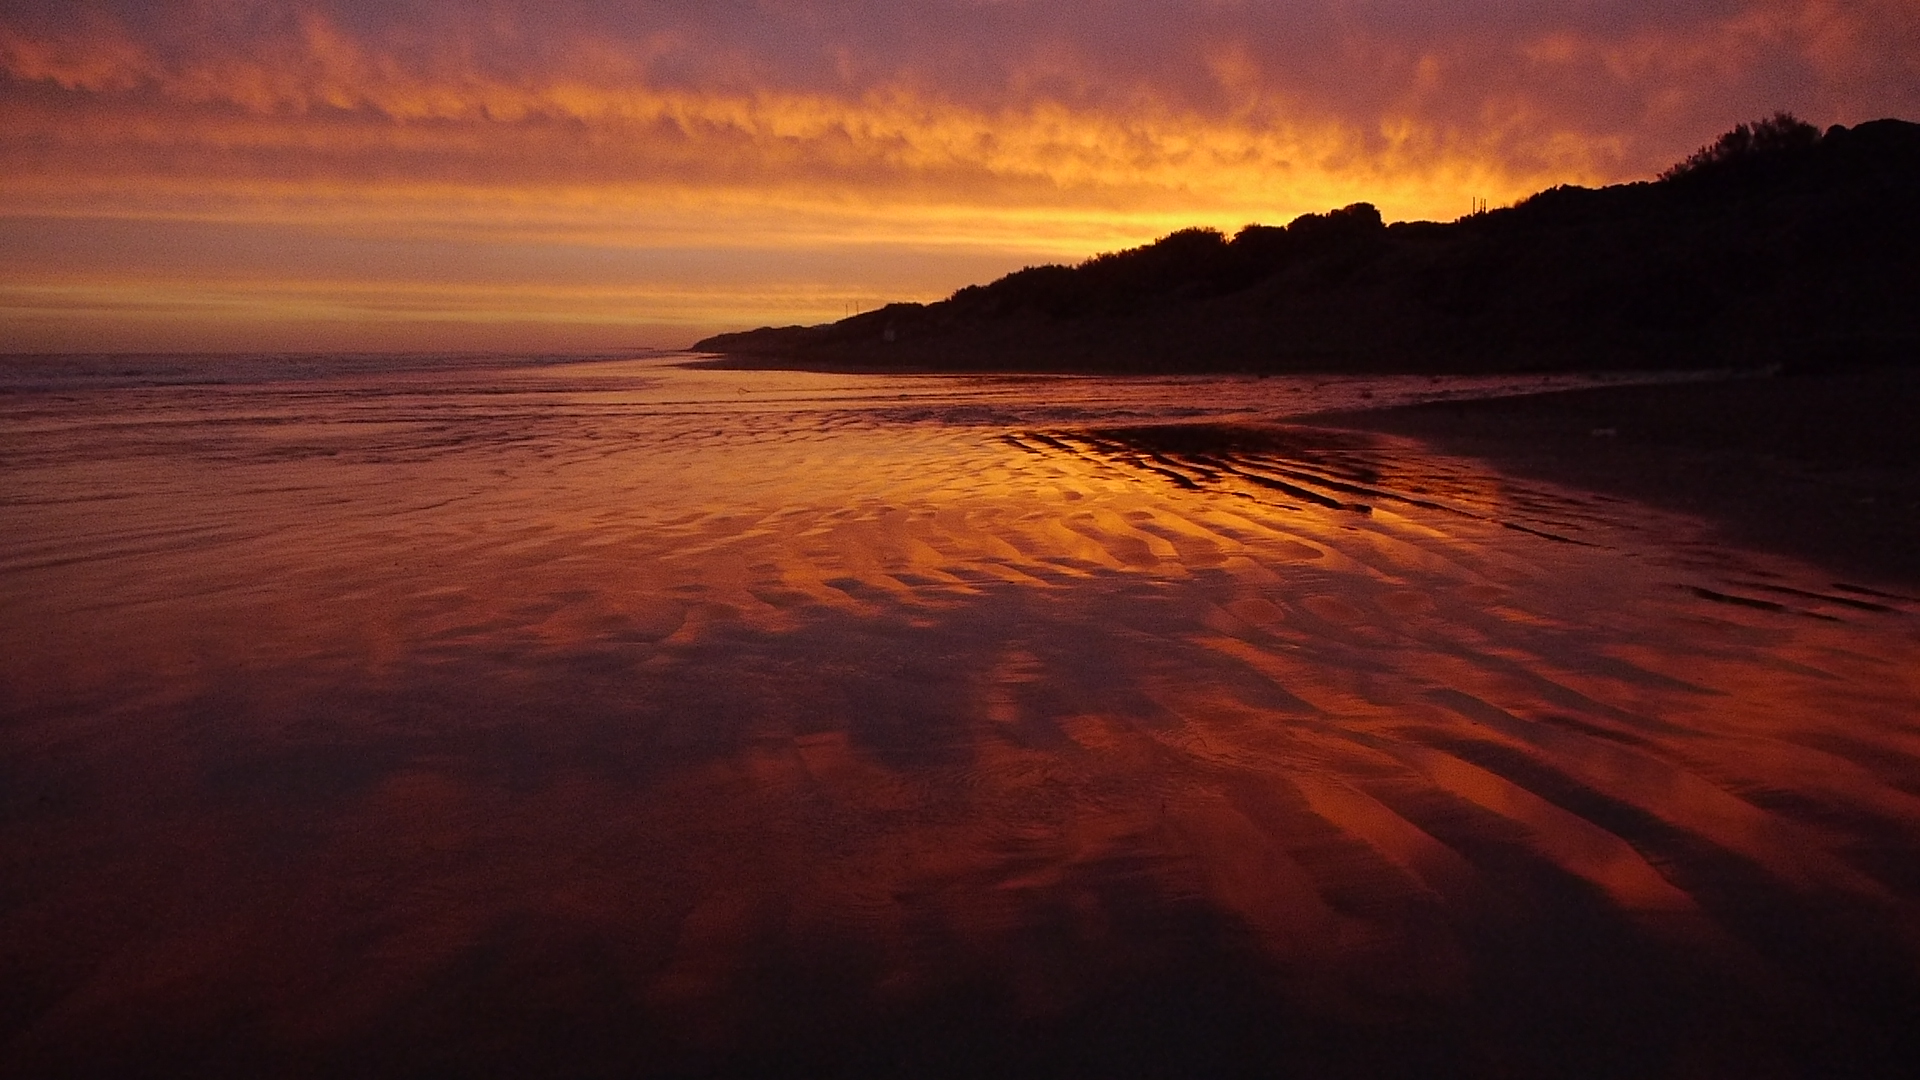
(615,719)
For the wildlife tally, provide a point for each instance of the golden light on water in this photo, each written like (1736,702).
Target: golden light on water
(702,714)
(483,711)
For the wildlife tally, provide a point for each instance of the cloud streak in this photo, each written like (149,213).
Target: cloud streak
(1031,129)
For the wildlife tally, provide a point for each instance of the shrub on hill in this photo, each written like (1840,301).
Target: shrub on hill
(1775,244)
(1780,133)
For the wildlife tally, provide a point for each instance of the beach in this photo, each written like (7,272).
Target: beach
(493,716)
(1825,467)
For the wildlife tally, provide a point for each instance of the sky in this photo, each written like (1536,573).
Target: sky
(578,176)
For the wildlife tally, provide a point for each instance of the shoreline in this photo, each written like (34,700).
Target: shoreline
(780,362)
(1821,468)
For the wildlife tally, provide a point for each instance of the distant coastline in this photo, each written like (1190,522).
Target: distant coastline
(1775,245)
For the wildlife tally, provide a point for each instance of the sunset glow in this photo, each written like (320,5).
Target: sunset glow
(424,175)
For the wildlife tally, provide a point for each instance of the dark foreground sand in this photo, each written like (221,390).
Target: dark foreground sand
(1822,468)
(623,721)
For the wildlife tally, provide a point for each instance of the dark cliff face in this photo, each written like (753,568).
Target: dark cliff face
(1801,253)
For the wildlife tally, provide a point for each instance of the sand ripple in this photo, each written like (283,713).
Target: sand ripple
(563,715)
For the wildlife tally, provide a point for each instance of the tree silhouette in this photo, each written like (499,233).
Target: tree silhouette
(1774,244)
(1780,133)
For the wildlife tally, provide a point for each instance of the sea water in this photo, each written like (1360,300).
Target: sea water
(472,715)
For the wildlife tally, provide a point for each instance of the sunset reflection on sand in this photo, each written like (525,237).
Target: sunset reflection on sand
(618,718)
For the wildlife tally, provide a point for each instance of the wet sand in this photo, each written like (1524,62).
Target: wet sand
(1824,468)
(620,720)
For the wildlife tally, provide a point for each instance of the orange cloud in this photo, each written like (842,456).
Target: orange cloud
(952,134)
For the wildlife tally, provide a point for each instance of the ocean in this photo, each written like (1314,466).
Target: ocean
(604,716)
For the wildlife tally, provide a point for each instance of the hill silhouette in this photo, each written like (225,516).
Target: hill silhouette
(1776,244)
